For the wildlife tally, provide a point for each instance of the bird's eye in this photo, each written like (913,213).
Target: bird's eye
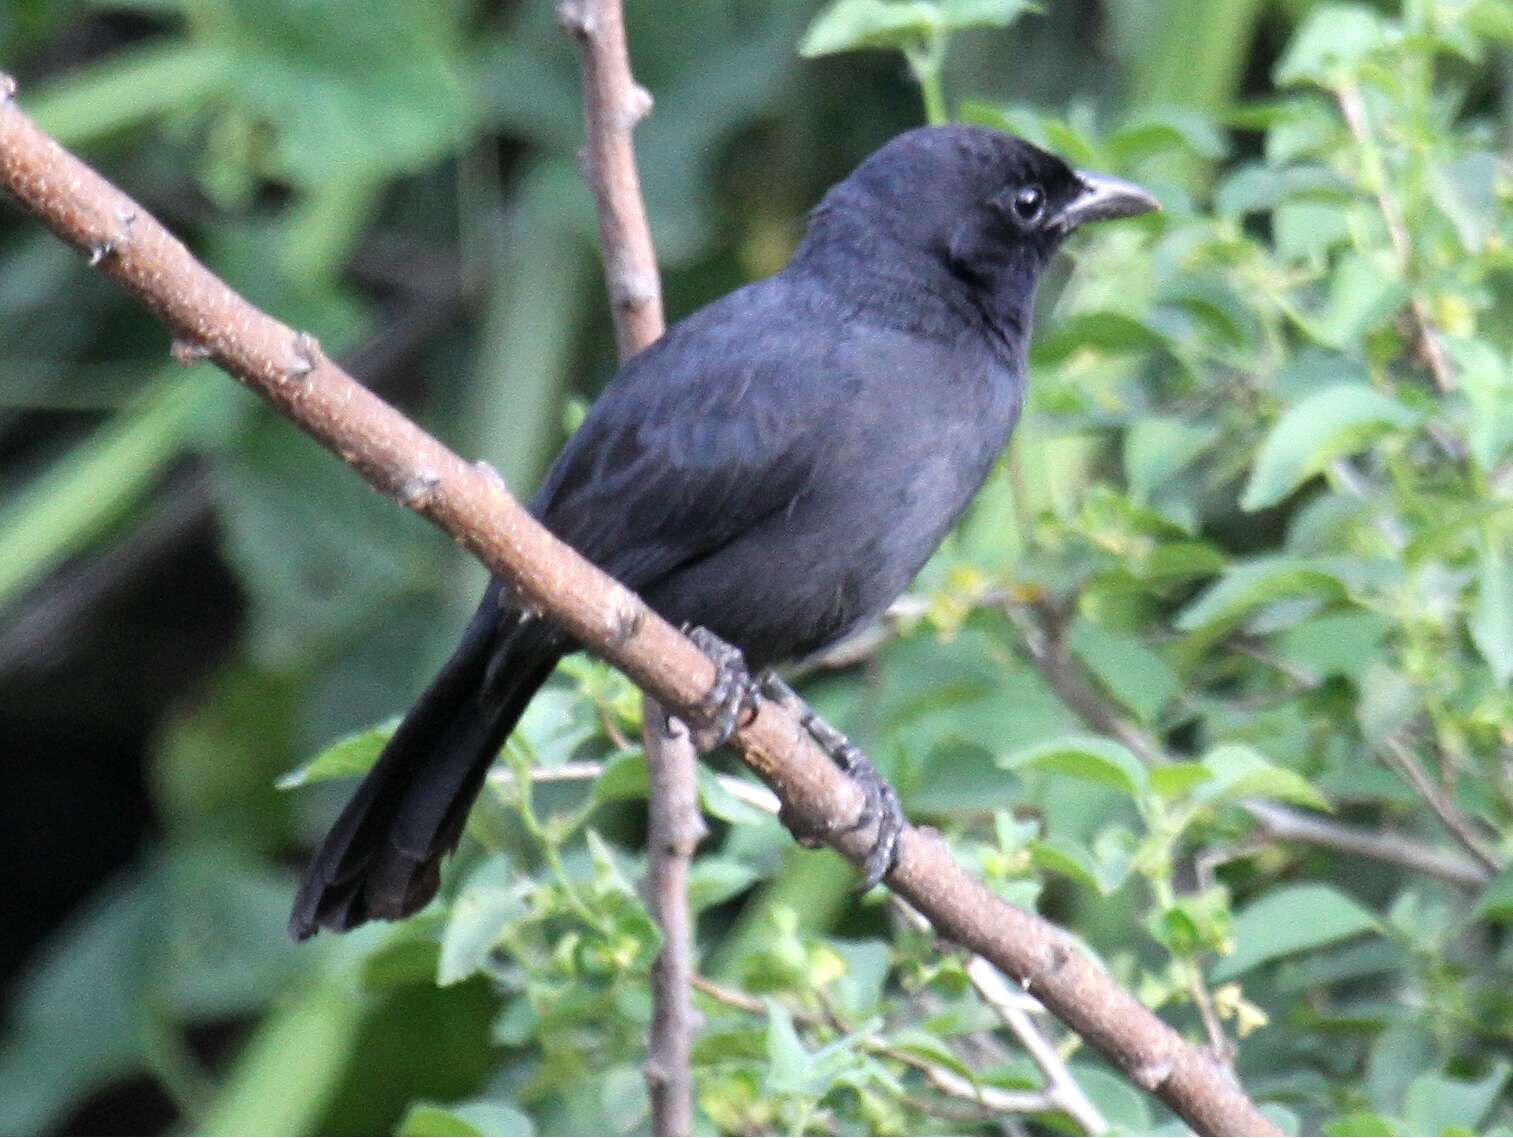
(1028,203)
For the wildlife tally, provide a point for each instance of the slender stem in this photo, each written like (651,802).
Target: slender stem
(1063,676)
(520,756)
(944,1080)
(927,62)
(1374,167)
(612,106)
(1401,759)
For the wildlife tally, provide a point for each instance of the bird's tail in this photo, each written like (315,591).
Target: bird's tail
(382,858)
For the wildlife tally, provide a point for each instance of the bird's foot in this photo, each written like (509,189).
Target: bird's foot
(880,803)
(734,694)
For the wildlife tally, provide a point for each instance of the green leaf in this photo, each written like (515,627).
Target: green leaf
(789,1064)
(712,880)
(1156,448)
(1496,903)
(1335,643)
(848,25)
(1290,920)
(1247,587)
(1089,758)
(1361,299)
(1137,675)
(76,499)
(291,1067)
(487,905)
(1241,772)
(130,87)
(1437,1104)
(1330,46)
(1109,332)
(1175,779)
(1491,621)
(960,14)
(1061,855)
(1466,192)
(1486,378)
(1339,420)
(348,757)
(1126,1108)
(1361,1124)
(465,1120)
(1154,131)
(624,776)
(1388,700)
(349,88)
(719,803)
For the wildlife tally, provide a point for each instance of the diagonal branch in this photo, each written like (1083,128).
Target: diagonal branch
(286,369)
(612,106)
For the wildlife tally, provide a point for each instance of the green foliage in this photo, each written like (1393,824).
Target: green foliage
(1252,519)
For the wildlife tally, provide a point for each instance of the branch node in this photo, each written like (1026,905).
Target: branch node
(1152,1073)
(486,468)
(1061,956)
(627,622)
(306,357)
(638,104)
(573,18)
(419,489)
(186,351)
(112,245)
(631,289)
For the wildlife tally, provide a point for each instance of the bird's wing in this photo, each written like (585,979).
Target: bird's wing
(715,427)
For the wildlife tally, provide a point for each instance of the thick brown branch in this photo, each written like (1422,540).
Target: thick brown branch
(288,370)
(612,105)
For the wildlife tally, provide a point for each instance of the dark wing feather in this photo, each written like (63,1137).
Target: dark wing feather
(695,440)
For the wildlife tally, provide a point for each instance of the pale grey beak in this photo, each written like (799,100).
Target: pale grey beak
(1104,198)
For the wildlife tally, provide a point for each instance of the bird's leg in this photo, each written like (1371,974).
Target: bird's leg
(734,692)
(880,802)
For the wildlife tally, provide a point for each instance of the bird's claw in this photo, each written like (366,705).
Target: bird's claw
(880,802)
(734,694)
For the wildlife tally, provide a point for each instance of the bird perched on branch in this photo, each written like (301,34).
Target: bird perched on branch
(773,471)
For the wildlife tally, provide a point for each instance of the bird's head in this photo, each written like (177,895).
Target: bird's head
(986,207)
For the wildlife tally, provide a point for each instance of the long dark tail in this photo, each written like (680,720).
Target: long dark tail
(382,858)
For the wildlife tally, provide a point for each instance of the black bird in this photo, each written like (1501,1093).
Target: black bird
(775,469)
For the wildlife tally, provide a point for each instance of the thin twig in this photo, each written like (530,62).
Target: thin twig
(470,502)
(612,106)
(1012,1004)
(1219,1043)
(1405,763)
(1283,823)
(1426,336)
(1064,676)
(943,1079)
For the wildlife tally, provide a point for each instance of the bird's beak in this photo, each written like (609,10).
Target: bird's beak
(1103,198)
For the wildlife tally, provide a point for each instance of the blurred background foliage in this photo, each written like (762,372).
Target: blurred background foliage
(1247,569)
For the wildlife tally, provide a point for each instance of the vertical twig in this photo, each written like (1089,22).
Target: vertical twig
(1428,346)
(612,105)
